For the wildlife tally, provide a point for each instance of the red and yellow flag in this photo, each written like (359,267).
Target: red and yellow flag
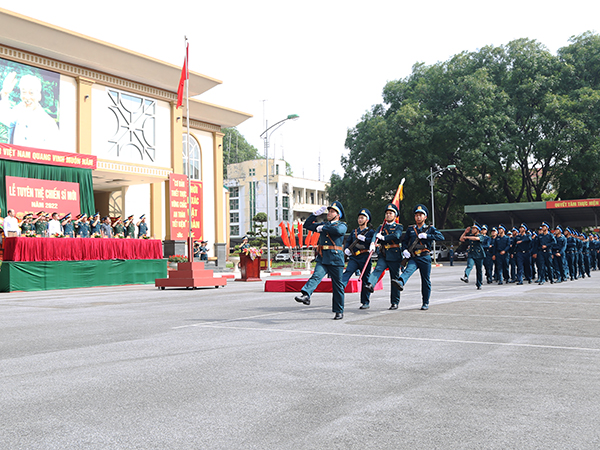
(399,197)
(185,75)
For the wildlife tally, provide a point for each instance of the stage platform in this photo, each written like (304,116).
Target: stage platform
(295,284)
(45,275)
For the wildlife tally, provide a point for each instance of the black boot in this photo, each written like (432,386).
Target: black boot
(304,298)
(398,284)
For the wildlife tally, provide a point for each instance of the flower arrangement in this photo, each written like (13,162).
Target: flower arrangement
(58,235)
(145,236)
(178,258)
(120,236)
(96,235)
(252,252)
(30,233)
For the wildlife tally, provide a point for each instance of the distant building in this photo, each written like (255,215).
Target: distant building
(290,198)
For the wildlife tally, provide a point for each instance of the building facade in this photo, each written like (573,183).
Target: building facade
(120,106)
(290,198)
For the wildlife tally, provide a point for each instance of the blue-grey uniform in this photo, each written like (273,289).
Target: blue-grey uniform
(488,245)
(512,261)
(68,228)
(586,254)
(579,255)
(476,255)
(501,249)
(545,243)
(558,253)
(522,254)
(82,229)
(142,228)
(390,256)
(419,255)
(571,254)
(330,257)
(357,249)
(95,224)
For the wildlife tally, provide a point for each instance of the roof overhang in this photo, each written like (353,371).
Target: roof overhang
(224,117)
(43,39)
(568,213)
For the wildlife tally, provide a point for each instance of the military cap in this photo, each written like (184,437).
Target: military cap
(524,225)
(484,227)
(245,238)
(476,225)
(502,226)
(67,216)
(545,224)
(392,207)
(337,206)
(143,216)
(365,212)
(130,217)
(422,209)
(559,228)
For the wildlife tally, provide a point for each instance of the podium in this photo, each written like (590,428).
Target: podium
(249,268)
(190,275)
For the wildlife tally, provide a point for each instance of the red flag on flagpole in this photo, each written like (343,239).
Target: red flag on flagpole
(185,75)
(284,235)
(292,234)
(399,197)
(300,232)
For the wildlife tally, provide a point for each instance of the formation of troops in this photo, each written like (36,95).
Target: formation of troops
(522,255)
(401,252)
(44,224)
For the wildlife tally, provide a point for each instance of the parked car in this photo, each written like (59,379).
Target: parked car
(441,252)
(285,256)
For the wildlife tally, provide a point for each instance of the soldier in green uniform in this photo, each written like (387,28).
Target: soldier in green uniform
(330,255)
(26,225)
(41,224)
(118,228)
(129,226)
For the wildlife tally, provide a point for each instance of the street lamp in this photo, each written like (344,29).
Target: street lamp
(431,177)
(265,135)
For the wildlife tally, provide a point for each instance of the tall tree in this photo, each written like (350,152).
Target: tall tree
(236,149)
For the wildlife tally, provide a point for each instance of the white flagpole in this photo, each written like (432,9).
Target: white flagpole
(189,171)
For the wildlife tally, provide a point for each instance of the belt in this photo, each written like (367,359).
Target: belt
(329,247)
(422,252)
(391,246)
(358,252)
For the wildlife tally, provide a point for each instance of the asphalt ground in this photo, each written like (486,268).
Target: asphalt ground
(134,367)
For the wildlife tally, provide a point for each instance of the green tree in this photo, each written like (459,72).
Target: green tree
(236,149)
(513,119)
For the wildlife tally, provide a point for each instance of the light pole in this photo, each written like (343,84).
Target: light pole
(265,135)
(432,176)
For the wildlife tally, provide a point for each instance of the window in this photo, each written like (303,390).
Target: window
(234,192)
(234,230)
(134,123)
(252,172)
(312,198)
(276,201)
(195,166)
(285,215)
(234,203)
(276,214)
(285,201)
(277,169)
(234,217)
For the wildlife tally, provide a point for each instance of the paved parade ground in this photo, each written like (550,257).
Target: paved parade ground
(134,367)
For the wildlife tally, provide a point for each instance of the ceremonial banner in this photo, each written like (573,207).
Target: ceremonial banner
(573,203)
(40,156)
(30,195)
(178,200)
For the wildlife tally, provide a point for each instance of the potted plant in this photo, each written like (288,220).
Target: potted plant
(174,259)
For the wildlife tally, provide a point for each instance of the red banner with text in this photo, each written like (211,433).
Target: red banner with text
(40,156)
(178,201)
(30,195)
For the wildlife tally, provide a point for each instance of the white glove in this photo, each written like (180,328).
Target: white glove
(348,252)
(380,236)
(372,247)
(320,211)
(422,235)
(319,228)
(406,254)
(361,237)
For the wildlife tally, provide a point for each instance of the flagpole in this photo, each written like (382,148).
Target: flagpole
(189,171)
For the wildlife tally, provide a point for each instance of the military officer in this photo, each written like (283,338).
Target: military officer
(558,252)
(118,229)
(245,244)
(416,248)
(488,245)
(545,243)
(389,240)
(95,224)
(330,255)
(476,253)
(129,228)
(357,250)
(523,254)
(26,225)
(571,253)
(67,224)
(501,248)
(82,226)
(142,227)
(41,224)
(203,251)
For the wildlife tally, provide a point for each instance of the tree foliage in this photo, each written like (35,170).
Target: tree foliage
(519,123)
(236,149)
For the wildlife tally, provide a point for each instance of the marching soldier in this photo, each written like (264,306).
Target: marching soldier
(545,243)
(523,254)
(357,250)
(571,254)
(390,257)
(330,255)
(501,248)
(416,247)
(488,246)
(476,253)
(558,253)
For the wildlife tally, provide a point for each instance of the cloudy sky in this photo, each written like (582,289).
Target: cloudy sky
(326,61)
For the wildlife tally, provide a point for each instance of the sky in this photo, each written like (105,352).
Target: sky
(326,61)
